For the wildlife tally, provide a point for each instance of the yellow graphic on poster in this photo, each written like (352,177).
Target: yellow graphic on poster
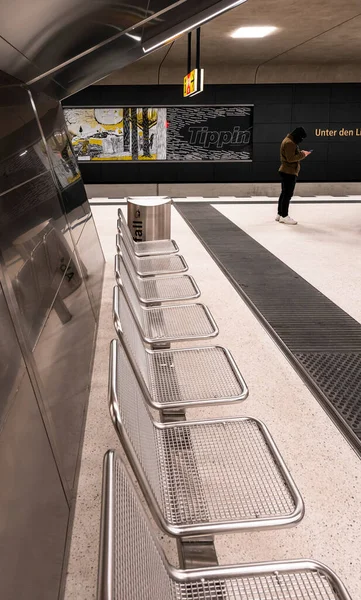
(103,134)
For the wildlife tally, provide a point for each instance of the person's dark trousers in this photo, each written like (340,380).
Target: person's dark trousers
(288,187)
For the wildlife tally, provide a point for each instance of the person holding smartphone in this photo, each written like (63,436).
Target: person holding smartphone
(291,157)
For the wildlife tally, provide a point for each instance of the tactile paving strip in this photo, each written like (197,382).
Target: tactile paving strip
(320,337)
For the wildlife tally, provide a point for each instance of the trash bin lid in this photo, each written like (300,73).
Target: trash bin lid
(149,200)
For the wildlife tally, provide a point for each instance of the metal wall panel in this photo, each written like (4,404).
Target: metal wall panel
(73,197)
(52,288)
(33,508)
(91,263)
(63,358)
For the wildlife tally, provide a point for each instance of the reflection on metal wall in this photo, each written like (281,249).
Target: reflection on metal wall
(51,270)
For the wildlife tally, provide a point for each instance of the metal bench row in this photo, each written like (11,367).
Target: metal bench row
(198,478)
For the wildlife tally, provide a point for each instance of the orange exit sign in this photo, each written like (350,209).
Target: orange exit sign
(193,83)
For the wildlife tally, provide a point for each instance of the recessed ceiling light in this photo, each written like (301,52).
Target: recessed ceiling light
(253,32)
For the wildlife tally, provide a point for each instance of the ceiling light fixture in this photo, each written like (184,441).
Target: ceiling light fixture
(190,24)
(253,32)
(137,38)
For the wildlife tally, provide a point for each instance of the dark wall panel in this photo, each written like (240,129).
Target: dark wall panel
(316,171)
(229,172)
(264,171)
(311,113)
(277,110)
(271,94)
(337,171)
(270,133)
(343,113)
(312,93)
(336,152)
(272,113)
(263,151)
(345,92)
(223,93)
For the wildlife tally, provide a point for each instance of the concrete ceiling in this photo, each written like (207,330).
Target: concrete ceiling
(309,32)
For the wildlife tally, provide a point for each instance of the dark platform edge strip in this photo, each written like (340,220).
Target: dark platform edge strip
(317,392)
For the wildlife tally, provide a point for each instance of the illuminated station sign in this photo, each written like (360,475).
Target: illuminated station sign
(193,83)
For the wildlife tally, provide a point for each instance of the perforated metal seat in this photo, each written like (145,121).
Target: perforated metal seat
(133,566)
(165,324)
(173,288)
(178,378)
(156,247)
(154,265)
(201,477)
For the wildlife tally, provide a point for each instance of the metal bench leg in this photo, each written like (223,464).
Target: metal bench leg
(194,552)
(160,346)
(61,310)
(197,552)
(173,415)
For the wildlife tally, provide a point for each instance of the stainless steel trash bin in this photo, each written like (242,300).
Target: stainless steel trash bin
(149,218)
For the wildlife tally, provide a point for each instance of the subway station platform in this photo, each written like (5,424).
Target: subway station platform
(309,270)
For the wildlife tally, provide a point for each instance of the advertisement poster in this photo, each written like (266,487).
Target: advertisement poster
(195,133)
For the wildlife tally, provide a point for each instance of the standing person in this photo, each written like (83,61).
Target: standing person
(291,156)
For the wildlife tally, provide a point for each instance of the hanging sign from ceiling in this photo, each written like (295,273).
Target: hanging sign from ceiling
(193,83)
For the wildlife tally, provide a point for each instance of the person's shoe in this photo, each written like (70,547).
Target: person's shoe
(278,218)
(288,221)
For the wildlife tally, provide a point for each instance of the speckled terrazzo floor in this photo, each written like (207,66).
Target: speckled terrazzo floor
(325,468)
